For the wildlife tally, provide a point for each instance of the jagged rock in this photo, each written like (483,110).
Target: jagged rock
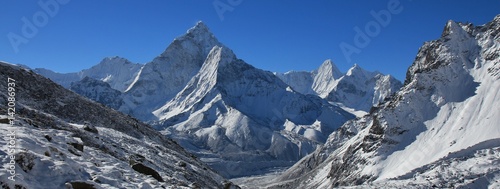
(25,160)
(90,128)
(48,137)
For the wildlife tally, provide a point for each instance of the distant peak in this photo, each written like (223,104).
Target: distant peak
(331,68)
(112,61)
(201,36)
(113,58)
(448,29)
(200,24)
(199,27)
(355,70)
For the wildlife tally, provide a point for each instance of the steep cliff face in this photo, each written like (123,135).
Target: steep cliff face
(430,134)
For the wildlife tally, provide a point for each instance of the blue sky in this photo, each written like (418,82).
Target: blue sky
(271,35)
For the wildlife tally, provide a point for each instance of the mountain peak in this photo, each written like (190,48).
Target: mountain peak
(196,38)
(199,28)
(456,29)
(325,78)
(329,67)
(111,64)
(355,69)
(114,60)
(200,24)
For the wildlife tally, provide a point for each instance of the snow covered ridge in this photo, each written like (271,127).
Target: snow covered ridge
(64,140)
(98,91)
(357,89)
(117,71)
(440,130)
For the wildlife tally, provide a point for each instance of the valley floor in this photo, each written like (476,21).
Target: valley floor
(258,181)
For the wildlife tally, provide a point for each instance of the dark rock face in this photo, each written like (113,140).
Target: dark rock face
(81,185)
(90,128)
(4,121)
(141,168)
(428,53)
(25,160)
(77,146)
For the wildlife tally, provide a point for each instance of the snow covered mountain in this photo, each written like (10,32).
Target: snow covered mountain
(160,80)
(358,89)
(116,71)
(243,120)
(440,130)
(325,78)
(63,140)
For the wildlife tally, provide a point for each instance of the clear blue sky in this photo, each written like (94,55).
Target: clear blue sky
(271,35)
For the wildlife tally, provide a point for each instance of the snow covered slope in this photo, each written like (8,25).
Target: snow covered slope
(243,120)
(64,140)
(300,81)
(98,91)
(117,71)
(63,79)
(358,89)
(440,130)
